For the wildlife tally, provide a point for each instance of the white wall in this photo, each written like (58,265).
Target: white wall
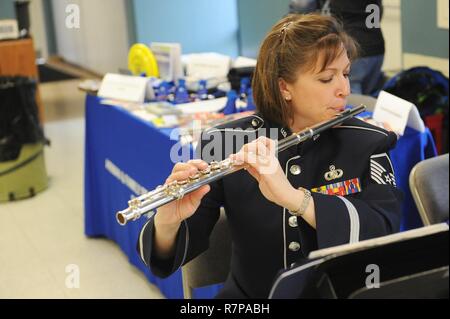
(101,42)
(37,29)
(391,26)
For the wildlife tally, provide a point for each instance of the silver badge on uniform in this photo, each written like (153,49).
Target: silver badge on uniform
(333,173)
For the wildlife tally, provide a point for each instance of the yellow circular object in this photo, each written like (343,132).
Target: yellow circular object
(141,60)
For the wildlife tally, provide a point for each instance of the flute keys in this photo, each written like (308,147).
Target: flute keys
(194,177)
(172,186)
(182,182)
(206,171)
(175,189)
(225,164)
(134,203)
(214,166)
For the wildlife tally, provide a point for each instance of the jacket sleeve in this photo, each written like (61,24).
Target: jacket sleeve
(373,212)
(192,237)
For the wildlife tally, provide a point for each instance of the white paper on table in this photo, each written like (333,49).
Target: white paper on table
(168,56)
(123,87)
(207,65)
(214,105)
(144,115)
(398,113)
(170,120)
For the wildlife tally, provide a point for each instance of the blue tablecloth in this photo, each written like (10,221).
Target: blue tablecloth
(125,155)
(411,148)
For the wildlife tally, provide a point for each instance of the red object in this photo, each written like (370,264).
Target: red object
(435,123)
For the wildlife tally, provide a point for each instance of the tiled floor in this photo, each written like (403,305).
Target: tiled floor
(40,238)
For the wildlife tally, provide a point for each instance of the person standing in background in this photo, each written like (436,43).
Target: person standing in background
(361,20)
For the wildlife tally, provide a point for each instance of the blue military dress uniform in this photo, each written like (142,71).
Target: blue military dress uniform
(349,172)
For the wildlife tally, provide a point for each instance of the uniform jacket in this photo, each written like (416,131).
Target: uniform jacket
(359,202)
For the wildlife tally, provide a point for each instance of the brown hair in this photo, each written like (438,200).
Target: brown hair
(293,44)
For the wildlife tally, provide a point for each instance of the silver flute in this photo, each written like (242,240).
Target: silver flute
(164,194)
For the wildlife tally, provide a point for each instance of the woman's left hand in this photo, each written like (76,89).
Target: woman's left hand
(260,158)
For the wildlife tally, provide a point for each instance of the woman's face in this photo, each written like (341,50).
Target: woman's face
(317,96)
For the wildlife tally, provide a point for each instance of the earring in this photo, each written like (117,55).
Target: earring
(287,98)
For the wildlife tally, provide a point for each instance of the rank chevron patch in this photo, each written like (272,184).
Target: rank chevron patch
(381,170)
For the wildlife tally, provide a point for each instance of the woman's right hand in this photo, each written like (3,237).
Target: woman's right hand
(173,213)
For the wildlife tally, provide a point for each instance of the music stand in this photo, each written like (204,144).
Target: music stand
(412,264)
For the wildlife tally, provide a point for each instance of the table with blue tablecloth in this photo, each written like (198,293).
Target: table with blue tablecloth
(126,156)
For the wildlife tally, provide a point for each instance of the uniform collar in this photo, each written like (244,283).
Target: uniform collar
(284,131)
(306,146)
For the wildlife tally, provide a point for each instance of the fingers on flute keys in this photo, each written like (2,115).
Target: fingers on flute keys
(257,153)
(182,171)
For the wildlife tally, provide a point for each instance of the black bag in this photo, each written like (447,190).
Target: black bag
(426,88)
(19,122)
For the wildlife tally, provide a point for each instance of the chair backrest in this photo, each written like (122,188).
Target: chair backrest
(358,99)
(212,266)
(428,182)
